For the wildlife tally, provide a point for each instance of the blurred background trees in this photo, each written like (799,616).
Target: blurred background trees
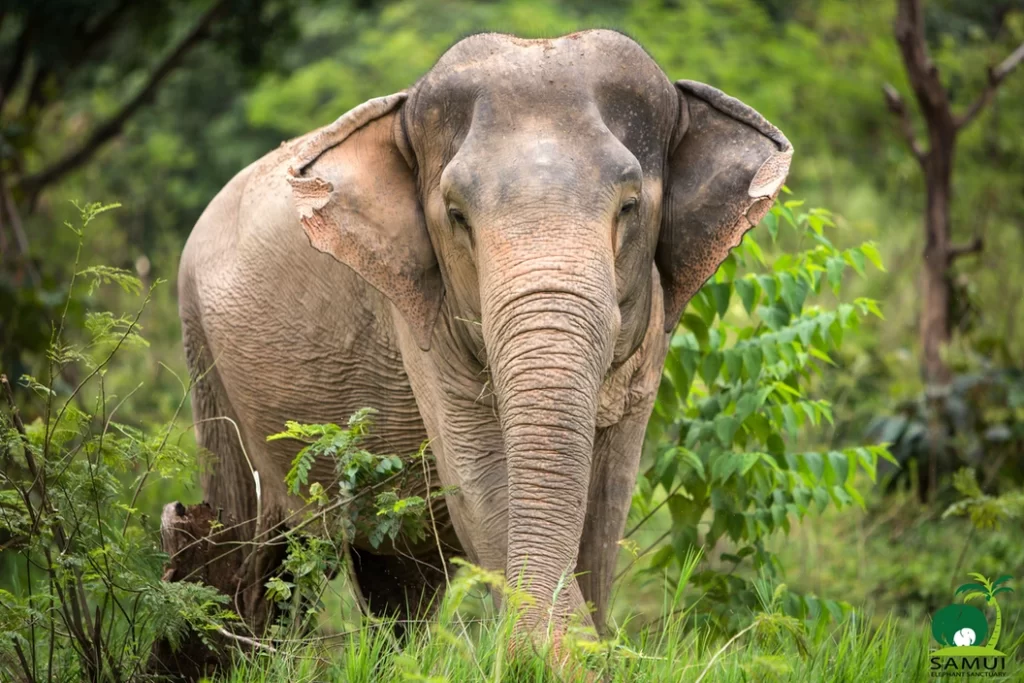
(158,104)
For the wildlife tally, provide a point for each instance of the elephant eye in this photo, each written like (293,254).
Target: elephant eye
(457,217)
(628,206)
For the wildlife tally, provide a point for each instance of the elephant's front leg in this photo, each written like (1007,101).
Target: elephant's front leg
(615,466)
(467,444)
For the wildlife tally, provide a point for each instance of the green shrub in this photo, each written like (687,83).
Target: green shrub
(727,446)
(82,596)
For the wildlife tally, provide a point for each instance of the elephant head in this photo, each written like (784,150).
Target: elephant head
(543,189)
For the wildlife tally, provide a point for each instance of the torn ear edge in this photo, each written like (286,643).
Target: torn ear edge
(363,210)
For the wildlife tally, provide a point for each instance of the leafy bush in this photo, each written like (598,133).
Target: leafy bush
(83,597)
(727,444)
(976,421)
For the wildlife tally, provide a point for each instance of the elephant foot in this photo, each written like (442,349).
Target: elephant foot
(403,587)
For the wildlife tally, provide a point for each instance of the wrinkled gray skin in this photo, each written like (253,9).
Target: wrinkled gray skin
(519,232)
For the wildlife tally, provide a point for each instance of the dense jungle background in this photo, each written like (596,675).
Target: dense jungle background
(839,439)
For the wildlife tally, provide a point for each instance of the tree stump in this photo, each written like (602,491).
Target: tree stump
(207,547)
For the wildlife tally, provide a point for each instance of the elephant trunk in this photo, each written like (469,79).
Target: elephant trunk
(549,326)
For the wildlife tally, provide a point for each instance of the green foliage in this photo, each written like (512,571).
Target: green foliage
(734,407)
(977,421)
(985,511)
(83,596)
(330,441)
(358,473)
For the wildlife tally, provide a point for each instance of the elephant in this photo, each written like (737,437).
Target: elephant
(493,259)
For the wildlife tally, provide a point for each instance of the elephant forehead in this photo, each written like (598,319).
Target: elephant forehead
(502,81)
(598,52)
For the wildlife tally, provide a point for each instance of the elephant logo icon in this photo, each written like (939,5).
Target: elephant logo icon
(961,629)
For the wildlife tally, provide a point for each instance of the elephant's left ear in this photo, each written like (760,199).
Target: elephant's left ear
(724,174)
(356,197)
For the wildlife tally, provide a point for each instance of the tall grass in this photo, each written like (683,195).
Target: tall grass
(452,647)
(436,653)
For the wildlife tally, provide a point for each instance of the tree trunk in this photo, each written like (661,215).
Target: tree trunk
(935,328)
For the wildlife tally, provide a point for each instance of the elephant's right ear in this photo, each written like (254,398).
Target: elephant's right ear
(356,197)
(724,173)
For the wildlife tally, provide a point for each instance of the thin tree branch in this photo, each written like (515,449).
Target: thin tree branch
(34,183)
(17,63)
(8,209)
(248,641)
(921,70)
(972,247)
(35,96)
(897,106)
(996,75)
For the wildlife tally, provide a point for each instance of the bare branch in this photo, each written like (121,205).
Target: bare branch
(921,70)
(34,92)
(34,183)
(897,106)
(17,64)
(973,247)
(248,641)
(8,209)
(996,75)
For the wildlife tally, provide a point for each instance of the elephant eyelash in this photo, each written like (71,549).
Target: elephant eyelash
(458,217)
(628,206)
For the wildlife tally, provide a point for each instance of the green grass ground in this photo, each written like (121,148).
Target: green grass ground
(770,651)
(896,563)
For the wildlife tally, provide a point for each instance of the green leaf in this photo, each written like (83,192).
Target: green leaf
(704,306)
(870,249)
(771,221)
(821,355)
(747,405)
(789,416)
(786,213)
(775,317)
(733,361)
(794,292)
(720,294)
(856,259)
(696,325)
(813,465)
(769,287)
(677,374)
(724,466)
(725,429)
(752,362)
(852,491)
(969,587)
(690,458)
(748,291)
(834,266)
(710,367)
(838,466)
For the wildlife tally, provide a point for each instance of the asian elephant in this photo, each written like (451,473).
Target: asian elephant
(494,260)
